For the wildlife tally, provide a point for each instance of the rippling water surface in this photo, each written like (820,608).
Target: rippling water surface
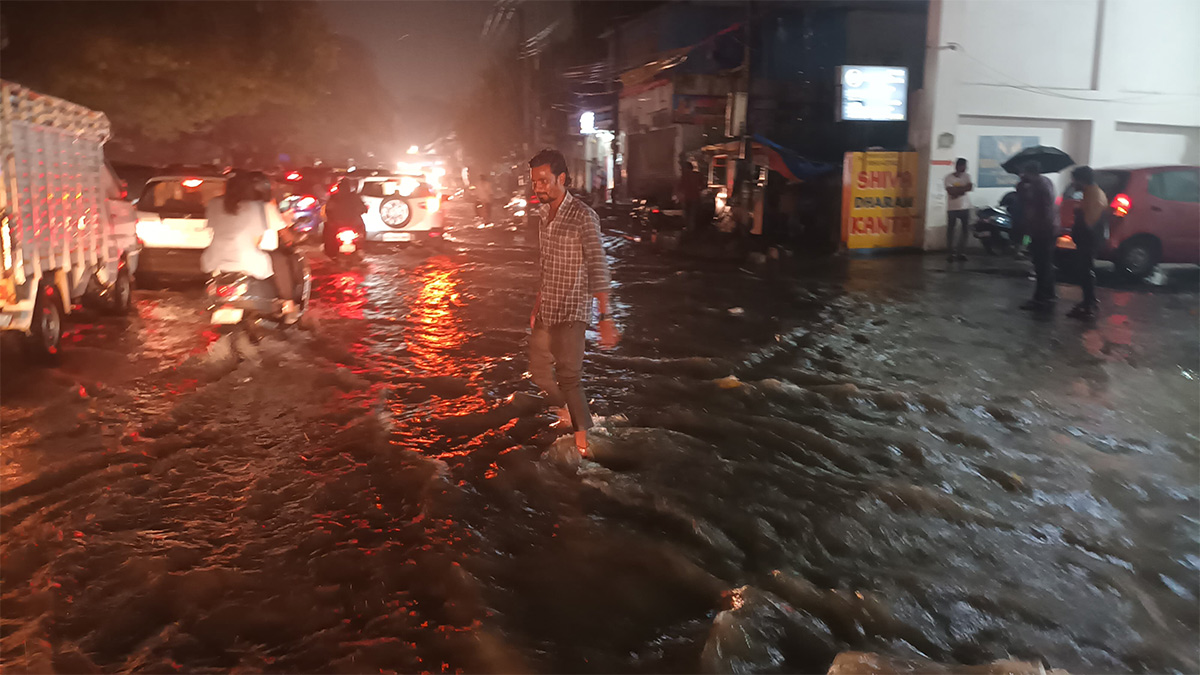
(876,456)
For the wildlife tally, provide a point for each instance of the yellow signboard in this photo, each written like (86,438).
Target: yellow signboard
(879,200)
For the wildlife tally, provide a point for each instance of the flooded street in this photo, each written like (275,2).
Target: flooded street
(878,455)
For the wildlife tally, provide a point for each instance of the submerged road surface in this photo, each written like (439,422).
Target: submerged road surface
(876,455)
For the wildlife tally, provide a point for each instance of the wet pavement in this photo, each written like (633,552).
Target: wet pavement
(880,455)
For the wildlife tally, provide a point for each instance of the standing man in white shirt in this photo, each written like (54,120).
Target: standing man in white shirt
(958,208)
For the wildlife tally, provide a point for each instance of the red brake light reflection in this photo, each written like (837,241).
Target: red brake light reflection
(1120,205)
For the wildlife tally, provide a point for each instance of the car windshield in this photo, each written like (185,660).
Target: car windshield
(180,197)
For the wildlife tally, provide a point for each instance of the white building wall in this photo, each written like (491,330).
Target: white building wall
(1109,81)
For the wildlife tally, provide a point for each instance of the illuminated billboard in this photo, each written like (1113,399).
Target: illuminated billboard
(873,93)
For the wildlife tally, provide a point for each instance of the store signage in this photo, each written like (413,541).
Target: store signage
(873,93)
(693,109)
(879,200)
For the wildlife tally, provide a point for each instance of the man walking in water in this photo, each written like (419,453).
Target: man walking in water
(573,268)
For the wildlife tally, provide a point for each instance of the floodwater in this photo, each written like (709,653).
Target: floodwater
(878,455)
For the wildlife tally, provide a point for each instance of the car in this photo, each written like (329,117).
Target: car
(172,226)
(1154,218)
(400,207)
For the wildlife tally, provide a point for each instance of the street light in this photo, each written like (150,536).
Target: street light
(412,149)
(587,123)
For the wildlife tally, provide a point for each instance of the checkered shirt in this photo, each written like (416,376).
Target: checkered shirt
(573,263)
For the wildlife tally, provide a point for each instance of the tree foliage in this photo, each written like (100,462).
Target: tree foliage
(166,69)
(488,119)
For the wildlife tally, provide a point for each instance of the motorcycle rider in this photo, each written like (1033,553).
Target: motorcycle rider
(345,208)
(250,237)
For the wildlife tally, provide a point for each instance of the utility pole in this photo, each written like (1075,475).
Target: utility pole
(615,83)
(524,81)
(747,152)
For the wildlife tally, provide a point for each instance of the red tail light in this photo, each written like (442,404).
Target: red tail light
(306,203)
(347,236)
(654,211)
(333,188)
(294,176)
(224,291)
(1058,200)
(192,183)
(1120,205)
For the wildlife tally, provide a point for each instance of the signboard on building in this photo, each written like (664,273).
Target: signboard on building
(698,109)
(873,93)
(879,200)
(996,150)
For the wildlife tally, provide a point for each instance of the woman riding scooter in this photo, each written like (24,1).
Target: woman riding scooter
(250,237)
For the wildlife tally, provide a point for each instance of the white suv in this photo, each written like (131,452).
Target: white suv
(400,208)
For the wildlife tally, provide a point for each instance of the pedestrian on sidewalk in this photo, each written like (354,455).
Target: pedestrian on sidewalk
(691,184)
(573,269)
(1085,232)
(1040,220)
(958,208)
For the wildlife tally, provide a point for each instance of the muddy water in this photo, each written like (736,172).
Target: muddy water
(880,456)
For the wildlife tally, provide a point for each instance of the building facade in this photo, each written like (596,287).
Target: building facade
(1111,82)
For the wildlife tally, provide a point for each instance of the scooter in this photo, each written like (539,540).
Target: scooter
(994,229)
(306,215)
(346,242)
(239,300)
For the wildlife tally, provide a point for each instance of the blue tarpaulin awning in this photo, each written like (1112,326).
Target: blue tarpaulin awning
(785,161)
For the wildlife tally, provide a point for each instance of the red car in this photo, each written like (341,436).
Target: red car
(1155,217)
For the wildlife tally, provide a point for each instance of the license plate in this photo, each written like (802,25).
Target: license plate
(226,315)
(346,248)
(397,236)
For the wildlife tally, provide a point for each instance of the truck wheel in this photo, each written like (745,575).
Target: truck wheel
(45,334)
(1138,257)
(120,296)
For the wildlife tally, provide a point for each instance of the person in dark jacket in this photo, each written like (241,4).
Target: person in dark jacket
(345,207)
(1040,222)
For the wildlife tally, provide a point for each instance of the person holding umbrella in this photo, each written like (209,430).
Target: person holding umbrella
(1040,220)
(1039,217)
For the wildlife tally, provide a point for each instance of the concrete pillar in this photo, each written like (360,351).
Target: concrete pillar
(939,112)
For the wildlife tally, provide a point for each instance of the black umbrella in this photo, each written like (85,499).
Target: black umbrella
(1049,160)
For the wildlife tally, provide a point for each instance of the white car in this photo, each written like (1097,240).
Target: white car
(400,208)
(172,225)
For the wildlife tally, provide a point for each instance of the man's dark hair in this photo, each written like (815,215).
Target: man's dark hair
(1084,174)
(960,160)
(1032,166)
(552,158)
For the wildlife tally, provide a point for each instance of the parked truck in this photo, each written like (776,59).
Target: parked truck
(67,236)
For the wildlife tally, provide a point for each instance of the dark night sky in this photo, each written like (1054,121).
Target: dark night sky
(429,52)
